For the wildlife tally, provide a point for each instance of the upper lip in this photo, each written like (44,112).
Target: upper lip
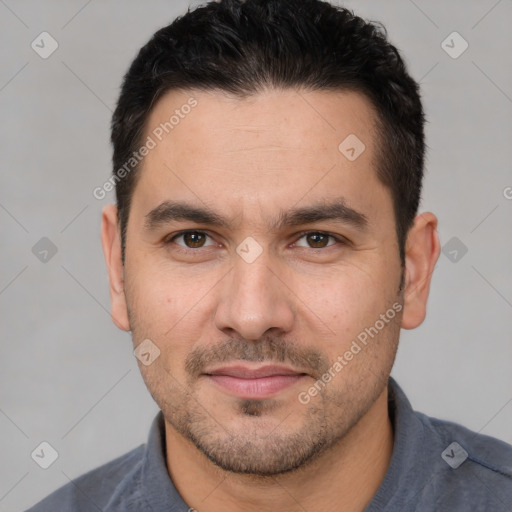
(245,372)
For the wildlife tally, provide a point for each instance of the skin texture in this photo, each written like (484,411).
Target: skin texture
(301,303)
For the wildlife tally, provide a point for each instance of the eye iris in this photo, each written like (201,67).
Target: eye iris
(317,238)
(194,239)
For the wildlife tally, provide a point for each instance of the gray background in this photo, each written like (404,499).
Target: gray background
(68,376)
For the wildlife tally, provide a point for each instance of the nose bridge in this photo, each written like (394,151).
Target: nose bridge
(253,282)
(254,299)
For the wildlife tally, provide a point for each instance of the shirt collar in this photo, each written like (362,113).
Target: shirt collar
(157,490)
(409,451)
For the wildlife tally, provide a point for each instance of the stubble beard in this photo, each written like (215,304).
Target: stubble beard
(256,445)
(255,448)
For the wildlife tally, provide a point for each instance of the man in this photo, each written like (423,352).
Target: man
(265,252)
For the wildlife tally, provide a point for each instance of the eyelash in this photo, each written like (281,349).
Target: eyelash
(167,241)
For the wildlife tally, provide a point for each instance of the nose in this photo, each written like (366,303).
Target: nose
(254,299)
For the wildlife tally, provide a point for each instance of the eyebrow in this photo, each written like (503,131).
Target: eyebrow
(337,211)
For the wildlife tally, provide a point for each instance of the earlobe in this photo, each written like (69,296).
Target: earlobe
(421,255)
(111,242)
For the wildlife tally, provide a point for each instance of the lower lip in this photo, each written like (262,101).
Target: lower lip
(262,387)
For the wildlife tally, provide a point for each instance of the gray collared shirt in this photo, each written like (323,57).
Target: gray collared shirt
(435,466)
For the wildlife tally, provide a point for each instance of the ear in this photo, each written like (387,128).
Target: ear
(111,241)
(421,254)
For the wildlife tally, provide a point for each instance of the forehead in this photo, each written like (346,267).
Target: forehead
(267,150)
(277,119)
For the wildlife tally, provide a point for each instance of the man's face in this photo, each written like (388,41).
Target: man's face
(250,312)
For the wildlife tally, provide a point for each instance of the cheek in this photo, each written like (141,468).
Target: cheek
(152,300)
(344,299)
(170,306)
(156,292)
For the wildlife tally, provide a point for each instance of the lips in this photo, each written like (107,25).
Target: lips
(254,383)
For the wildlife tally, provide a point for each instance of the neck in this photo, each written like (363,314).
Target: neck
(345,477)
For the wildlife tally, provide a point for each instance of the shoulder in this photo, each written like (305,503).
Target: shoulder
(442,466)
(486,451)
(471,467)
(94,489)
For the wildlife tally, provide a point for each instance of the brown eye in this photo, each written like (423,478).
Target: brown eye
(194,239)
(316,240)
(191,239)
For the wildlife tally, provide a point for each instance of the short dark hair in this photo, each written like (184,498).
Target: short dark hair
(244,47)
